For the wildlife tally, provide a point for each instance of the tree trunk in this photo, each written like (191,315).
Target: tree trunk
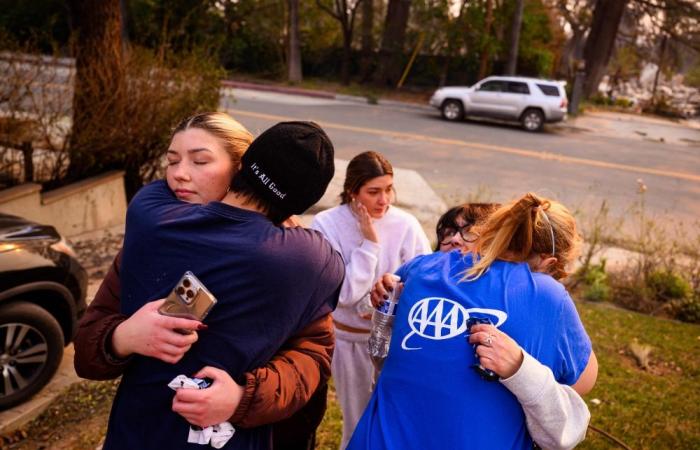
(662,54)
(367,39)
(344,13)
(572,51)
(393,38)
(517,23)
(347,55)
(453,28)
(484,57)
(125,25)
(294,50)
(99,79)
(601,41)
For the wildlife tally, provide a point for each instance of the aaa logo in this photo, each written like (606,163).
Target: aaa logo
(438,318)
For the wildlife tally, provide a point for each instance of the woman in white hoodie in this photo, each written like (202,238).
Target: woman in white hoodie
(374,238)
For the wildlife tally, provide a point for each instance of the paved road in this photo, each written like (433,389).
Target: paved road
(476,160)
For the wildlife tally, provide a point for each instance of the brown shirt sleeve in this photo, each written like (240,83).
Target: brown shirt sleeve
(93,358)
(285,384)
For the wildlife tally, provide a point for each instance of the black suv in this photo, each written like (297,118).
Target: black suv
(42,295)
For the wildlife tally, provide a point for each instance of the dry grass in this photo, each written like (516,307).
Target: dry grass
(646,409)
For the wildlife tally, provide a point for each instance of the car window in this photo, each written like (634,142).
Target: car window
(516,87)
(549,90)
(492,86)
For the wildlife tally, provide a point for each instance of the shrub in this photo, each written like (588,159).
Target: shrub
(126,130)
(133,134)
(668,285)
(623,102)
(687,310)
(600,99)
(597,292)
(596,284)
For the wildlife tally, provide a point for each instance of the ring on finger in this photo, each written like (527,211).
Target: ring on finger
(489,340)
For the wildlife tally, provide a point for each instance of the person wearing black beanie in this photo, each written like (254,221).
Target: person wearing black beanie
(286,169)
(252,266)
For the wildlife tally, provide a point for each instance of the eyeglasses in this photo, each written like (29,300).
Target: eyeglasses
(467,236)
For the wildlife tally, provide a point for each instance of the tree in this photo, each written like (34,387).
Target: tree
(344,12)
(294,51)
(454,37)
(516,24)
(577,15)
(484,57)
(99,78)
(367,41)
(126,102)
(601,41)
(389,69)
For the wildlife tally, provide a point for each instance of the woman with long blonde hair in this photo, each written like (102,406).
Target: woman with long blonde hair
(434,390)
(204,154)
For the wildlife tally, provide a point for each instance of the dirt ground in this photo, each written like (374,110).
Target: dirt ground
(77,420)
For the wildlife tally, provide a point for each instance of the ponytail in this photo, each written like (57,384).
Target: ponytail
(528,226)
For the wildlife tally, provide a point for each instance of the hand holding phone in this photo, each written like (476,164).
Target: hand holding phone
(189,299)
(484,373)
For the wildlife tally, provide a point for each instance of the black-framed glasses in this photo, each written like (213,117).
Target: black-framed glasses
(467,236)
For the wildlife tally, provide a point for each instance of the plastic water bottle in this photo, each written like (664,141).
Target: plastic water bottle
(382,326)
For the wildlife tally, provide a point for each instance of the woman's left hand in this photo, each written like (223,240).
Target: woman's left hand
(497,351)
(210,406)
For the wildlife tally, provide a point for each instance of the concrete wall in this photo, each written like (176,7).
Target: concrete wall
(88,205)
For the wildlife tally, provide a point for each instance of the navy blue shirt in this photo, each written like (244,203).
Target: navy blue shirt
(428,396)
(269,281)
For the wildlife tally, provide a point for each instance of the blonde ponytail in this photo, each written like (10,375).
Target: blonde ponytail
(526,227)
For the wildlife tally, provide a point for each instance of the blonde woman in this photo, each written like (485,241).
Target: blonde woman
(430,394)
(204,154)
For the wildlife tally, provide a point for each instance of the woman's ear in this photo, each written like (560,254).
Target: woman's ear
(542,263)
(546,264)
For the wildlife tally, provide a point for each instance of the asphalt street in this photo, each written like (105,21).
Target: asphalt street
(476,160)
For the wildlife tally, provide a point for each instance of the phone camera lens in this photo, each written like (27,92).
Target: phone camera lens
(180,290)
(190,294)
(186,282)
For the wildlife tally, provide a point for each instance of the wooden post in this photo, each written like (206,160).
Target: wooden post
(410,61)
(27,152)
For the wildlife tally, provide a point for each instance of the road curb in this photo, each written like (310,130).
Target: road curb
(291,90)
(278,89)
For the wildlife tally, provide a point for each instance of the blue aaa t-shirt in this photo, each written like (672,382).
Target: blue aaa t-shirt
(269,281)
(427,396)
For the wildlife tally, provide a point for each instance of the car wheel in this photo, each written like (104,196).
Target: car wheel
(452,110)
(532,120)
(31,348)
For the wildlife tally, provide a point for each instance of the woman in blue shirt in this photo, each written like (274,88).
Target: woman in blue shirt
(428,395)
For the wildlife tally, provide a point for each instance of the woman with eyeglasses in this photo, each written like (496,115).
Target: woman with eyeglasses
(454,229)
(438,386)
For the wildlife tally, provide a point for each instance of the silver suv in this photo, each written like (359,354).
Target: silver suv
(530,101)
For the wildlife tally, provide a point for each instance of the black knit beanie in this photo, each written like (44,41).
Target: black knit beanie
(290,165)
